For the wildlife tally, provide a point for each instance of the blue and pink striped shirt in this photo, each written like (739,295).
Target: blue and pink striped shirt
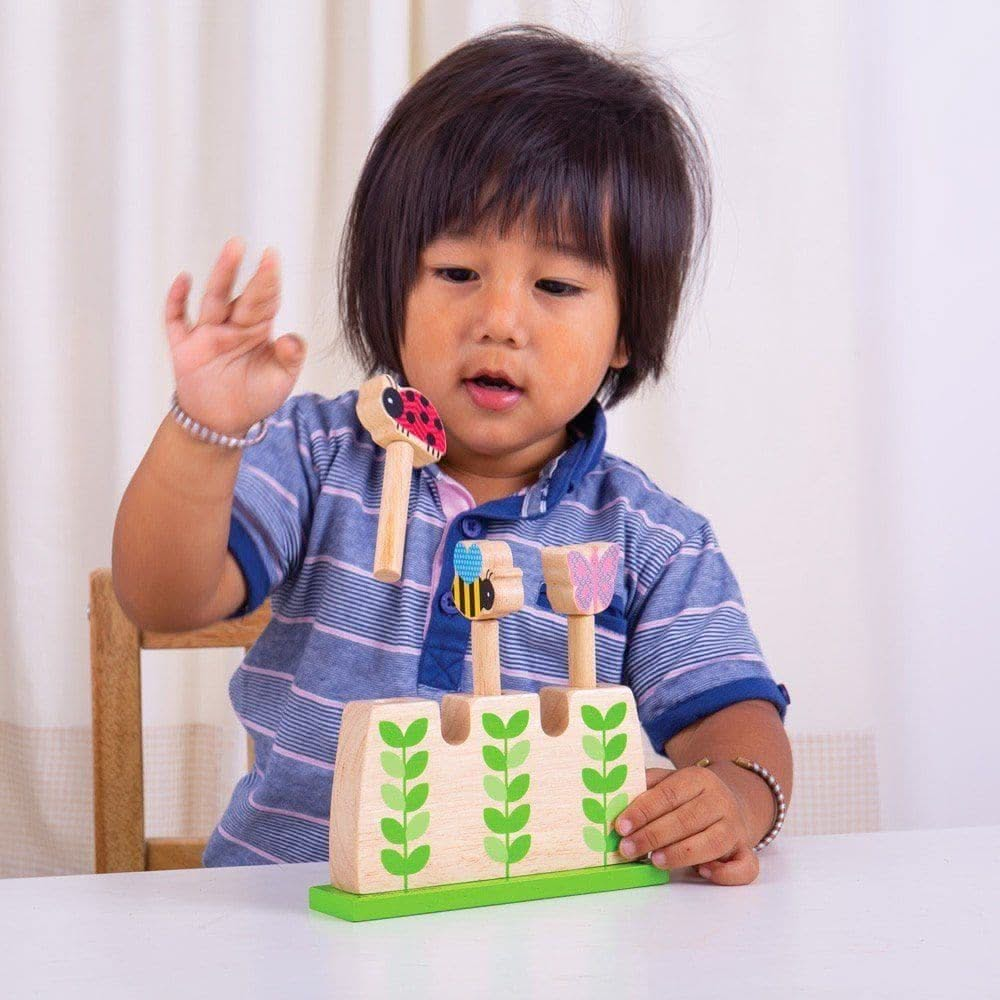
(305,512)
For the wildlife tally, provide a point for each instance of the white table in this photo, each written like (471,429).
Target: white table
(906,914)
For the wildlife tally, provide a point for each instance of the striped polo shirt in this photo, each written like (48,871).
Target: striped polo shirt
(304,519)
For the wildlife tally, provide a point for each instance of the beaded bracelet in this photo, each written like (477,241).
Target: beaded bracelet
(214,437)
(772,783)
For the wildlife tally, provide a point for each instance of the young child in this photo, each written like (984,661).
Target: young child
(516,248)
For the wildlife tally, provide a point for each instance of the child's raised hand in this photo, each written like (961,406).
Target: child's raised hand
(690,817)
(228,372)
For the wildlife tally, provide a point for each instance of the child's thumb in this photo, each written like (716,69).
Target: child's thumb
(290,352)
(740,867)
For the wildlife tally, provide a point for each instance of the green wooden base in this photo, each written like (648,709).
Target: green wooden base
(462,895)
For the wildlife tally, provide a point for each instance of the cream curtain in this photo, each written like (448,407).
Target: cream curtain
(136,137)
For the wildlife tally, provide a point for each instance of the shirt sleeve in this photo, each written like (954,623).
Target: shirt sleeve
(276,489)
(691,649)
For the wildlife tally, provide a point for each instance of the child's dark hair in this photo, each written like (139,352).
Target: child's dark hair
(525,118)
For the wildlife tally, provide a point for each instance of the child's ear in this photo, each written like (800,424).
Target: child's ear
(620,358)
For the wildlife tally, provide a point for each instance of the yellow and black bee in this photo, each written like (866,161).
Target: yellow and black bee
(475,597)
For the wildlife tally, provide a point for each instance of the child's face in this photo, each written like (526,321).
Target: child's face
(543,321)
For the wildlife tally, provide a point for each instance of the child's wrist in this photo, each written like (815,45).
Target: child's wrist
(753,795)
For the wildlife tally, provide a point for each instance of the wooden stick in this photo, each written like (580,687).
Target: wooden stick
(391,538)
(580,583)
(582,656)
(405,423)
(486,587)
(486,657)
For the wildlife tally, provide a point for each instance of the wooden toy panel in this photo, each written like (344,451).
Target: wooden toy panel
(477,789)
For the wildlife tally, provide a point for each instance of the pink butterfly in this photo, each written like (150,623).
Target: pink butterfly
(594,578)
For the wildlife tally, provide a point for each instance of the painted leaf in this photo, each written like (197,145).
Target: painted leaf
(519,848)
(417,796)
(518,819)
(518,754)
(518,787)
(495,820)
(493,725)
(517,724)
(391,734)
(616,746)
(496,849)
(393,862)
(617,806)
(616,715)
(392,830)
(392,796)
(593,780)
(616,778)
(613,840)
(416,826)
(495,759)
(594,747)
(594,811)
(416,731)
(416,764)
(417,859)
(392,764)
(495,788)
(592,718)
(593,837)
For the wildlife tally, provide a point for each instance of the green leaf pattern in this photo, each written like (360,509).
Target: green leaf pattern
(506,790)
(407,798)
(603,811)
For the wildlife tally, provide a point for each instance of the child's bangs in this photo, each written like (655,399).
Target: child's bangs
(564,205)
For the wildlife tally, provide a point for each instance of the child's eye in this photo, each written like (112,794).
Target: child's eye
(460,275)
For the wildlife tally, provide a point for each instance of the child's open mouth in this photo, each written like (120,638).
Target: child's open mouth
(493,391)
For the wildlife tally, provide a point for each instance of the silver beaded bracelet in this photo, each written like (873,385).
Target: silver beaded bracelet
(254,435)
(776,792)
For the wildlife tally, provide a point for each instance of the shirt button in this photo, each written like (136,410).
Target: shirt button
(472,528)
(447,604)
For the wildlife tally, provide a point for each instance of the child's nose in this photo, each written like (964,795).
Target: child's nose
(503,318)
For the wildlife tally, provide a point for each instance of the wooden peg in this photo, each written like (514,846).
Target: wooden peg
(406,424)
(487,587)
(580,583)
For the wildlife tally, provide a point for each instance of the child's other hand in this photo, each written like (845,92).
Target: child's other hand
(228,372)
(690,817)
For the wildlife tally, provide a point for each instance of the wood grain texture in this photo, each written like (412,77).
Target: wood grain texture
(581,654)
(116,705)
(457,795)
(171,853)
(390,540)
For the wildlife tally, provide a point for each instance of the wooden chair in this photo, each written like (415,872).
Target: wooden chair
(120,842)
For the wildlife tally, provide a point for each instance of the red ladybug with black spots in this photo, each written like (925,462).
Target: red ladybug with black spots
(414,414)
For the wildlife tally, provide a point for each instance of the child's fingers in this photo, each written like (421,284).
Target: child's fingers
(258,302)
(175,310)
(215,302)
(290,352)
(740,868)
(667,795)
(699,814)
(700,848)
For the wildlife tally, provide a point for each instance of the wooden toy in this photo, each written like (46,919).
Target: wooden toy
(580,583)
(486,587)
(403,422)
(488,797)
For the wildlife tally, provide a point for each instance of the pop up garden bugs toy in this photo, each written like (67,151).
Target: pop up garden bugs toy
(490,797)
(405,423)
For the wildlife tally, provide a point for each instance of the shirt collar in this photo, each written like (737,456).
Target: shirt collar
(588,432)
(561,475)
